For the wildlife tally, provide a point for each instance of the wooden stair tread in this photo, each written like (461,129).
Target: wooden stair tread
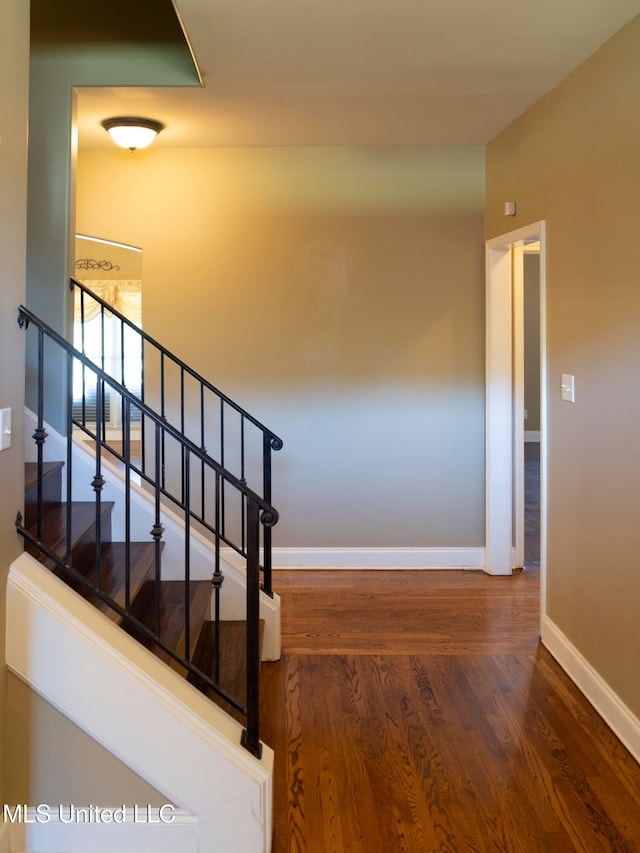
(233,661)
(31,472)
(172,605)
(54,523)
(112,574)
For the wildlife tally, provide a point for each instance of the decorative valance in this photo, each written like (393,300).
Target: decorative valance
(124,295)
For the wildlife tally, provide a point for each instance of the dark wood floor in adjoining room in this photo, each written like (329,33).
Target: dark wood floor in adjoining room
(418,712)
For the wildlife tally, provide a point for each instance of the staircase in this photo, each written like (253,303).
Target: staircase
(97,547)
(110,582)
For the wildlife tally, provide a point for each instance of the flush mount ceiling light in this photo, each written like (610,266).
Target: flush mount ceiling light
(132,132)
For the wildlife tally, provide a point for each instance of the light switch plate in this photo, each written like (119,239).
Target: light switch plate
(568,387)
(5,429)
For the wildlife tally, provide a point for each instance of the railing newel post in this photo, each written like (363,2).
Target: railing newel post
(216,581)
(251,734)
(266,534)
(186,490)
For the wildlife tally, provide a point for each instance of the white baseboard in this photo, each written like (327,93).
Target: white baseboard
(607,703)
(378,558)
(532,435)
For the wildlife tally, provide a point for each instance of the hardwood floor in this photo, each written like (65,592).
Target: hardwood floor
(417,712)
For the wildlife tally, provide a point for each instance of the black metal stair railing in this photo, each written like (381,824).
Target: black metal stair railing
(215,493)
(201,412)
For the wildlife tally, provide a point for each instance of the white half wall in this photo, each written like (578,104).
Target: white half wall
(144,713)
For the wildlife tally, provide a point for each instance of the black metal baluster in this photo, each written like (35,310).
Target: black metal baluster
(40,434)
(98,480)
(143,454)
(82,349)
(222,516)
(69,462)
(186,490)
(163,415)
(122,382)
(101,425)
(102,337)
(157,530)
(126,452)
(243,478)
(182,472)
(204,450)
(216,581)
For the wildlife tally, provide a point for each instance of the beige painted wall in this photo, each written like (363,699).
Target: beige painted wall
(572,160)
(14,67)
(338,295)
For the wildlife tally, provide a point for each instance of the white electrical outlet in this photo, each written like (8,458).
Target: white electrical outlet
(5,429)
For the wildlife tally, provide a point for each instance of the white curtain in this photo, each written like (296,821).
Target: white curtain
(124,295)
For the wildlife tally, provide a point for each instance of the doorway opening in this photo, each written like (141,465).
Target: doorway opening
(505,401)
(113,271)
(531,416)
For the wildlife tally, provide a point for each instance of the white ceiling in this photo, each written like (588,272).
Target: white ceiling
(362,72)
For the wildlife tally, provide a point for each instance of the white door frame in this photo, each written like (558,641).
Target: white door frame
(504,401)
(517,269)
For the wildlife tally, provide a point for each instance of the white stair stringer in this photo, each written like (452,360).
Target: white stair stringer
(144,713)
(233,599)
